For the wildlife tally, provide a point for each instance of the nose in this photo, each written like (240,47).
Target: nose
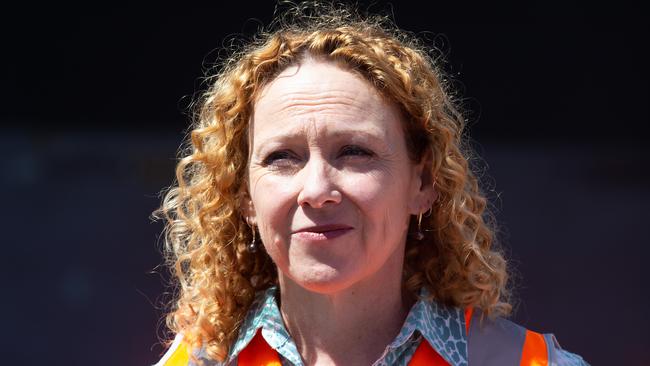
(318,186)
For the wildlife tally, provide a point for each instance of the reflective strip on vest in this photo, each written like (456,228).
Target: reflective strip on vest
(502,342)
(176,355)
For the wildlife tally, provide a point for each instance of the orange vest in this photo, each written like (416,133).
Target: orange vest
(259,353)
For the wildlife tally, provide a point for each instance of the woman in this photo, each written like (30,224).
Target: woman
(325,212)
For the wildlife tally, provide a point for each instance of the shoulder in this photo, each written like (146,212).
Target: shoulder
(500,341)
(263,311)
(179,354)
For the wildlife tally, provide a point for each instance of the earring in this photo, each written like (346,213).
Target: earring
(252,246)
(419,235)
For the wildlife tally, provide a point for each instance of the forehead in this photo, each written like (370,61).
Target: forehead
(322,96)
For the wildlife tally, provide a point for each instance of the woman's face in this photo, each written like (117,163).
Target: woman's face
(330,180)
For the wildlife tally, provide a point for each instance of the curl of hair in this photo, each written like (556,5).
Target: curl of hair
(205,233)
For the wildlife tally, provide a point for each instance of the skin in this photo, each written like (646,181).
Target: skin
(331,190)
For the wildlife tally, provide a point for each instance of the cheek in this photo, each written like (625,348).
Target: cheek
(379,188)
(271,196)
(274,204)
(382,197)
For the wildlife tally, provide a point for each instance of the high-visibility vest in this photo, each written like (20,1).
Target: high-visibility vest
(533,351)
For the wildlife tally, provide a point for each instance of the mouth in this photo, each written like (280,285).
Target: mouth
(322,232)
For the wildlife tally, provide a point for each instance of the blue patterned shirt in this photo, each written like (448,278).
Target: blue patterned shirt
(442,326)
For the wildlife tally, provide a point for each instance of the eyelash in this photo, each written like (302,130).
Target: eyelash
(352,150)
(358,151)
(277,155)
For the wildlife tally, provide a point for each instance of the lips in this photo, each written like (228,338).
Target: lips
(323,228)
(322,232)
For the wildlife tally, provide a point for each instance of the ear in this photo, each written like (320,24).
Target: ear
(246,207)
(424,192)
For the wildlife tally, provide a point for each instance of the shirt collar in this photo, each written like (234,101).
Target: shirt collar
(264,313)
(442,326)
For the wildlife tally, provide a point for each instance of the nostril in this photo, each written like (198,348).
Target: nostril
(321,200)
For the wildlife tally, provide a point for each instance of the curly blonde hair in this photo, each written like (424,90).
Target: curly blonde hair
(206,234)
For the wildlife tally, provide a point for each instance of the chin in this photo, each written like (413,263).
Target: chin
(323,279)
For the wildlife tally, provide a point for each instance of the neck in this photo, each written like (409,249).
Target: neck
(349,327)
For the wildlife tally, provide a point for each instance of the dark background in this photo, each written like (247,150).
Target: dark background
(94,103)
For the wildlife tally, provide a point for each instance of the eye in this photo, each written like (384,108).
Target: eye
(282,157)
(354,150)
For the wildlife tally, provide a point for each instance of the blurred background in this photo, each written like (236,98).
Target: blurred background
(94,108)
